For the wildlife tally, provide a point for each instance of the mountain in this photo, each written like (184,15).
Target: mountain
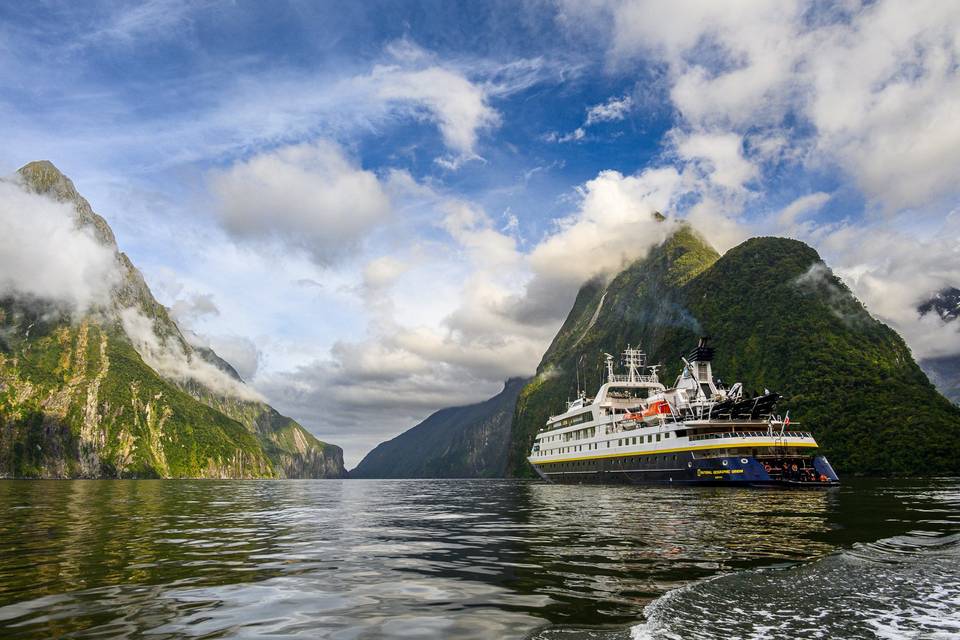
(946,304)
(459,442)
(944,371)
(778,318)
(120,392)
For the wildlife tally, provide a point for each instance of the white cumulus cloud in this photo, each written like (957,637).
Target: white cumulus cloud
(310,196)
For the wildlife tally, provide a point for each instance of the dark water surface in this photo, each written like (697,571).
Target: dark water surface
(477,559)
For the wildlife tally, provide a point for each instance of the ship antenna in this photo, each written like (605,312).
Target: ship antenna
(579,364)
(578,376)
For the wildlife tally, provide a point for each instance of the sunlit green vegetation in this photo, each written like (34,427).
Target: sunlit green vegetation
(779,319)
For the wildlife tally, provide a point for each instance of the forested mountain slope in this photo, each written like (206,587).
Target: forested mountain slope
(458,442)
(118,392)
(778,318)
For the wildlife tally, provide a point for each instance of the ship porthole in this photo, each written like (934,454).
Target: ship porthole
(744,461)
(725,463)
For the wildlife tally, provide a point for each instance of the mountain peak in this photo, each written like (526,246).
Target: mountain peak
(132,378)
(44,178)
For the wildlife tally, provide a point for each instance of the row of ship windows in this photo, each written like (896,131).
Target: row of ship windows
(622,442)
(577,419)
(573,435)
(592,431)
(642,461)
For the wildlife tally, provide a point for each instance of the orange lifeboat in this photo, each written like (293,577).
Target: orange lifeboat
(656,409)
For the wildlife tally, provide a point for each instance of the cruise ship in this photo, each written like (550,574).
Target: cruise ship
(636,430)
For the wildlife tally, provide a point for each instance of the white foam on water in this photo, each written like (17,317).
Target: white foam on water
(902,588)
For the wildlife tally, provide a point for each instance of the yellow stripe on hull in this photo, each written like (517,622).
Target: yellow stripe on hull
(703,447)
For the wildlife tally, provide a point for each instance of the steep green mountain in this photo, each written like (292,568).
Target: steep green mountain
(779,319)
(459,442)
(79,399)
(944,371)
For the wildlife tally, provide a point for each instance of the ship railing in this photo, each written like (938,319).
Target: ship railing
(626,378)
(751,434)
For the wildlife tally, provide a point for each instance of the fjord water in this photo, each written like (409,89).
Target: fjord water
(476,559)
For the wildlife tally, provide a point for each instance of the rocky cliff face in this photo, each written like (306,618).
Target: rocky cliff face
(86,397)
(459,442)
(779,319)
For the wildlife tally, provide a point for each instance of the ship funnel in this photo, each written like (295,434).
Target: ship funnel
(703,352)
(699,365)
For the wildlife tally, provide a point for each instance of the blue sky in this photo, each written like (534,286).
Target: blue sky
(379,209)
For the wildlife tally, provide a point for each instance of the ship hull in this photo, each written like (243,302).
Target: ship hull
(687,469)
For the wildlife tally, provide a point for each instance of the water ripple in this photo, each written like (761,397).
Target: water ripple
(375,559)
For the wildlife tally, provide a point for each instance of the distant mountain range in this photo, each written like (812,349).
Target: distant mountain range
(944,371)
(120,392)
(778,318)
(459,442)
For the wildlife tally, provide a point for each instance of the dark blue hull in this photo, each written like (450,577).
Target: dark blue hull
(685,468)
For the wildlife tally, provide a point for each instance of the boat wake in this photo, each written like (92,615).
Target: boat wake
(903,587)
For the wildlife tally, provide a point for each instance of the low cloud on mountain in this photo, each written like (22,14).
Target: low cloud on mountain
(167,356)
(44,255)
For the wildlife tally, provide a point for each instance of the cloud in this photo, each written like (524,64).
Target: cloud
(44,254)
(555,136)
(610,111)
(800,207)
(871,87)
(208,105)
(169,358)
(458,106)
(718,157)
(152,18)
(333,399)
(820,279)
(309,196)
(382,272)
(613,226)
(241,352)
(188,310)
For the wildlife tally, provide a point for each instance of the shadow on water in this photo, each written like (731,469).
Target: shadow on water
(371,559)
